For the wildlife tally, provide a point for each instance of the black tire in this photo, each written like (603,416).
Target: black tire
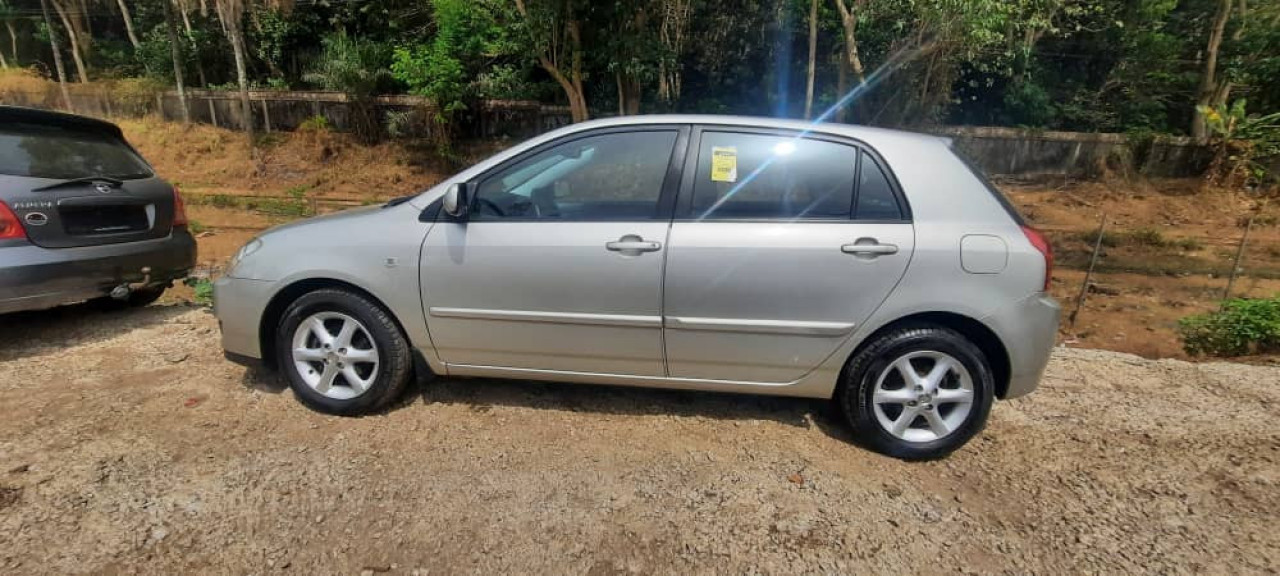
(137,299)
(854,394)
(395,359)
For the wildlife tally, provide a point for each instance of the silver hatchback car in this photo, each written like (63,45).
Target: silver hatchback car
(730,254)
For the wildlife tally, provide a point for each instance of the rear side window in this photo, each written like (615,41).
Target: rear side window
(876,200)
(757,176)
(53,152)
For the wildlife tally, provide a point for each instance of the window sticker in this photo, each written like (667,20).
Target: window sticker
(724,164)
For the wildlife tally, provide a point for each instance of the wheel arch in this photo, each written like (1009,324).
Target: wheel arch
(271,315)
(975,331)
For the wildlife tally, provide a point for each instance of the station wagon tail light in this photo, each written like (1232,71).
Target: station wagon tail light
(10,227)
(1041,243)
(179,209)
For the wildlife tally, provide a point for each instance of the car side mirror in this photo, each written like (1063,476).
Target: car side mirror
(456,200)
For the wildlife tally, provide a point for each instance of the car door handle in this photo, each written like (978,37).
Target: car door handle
(872,248)
(632,244)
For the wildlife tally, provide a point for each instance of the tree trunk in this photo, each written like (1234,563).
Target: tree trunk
(628,94)
(176,52)
(842,86)
(128,24)
(849,22)
(81,70)
(572,90)
(1209,76)
(242,76)
(548,59)
(231,15)
(57,56)
(186,24)
(13,42)
(813,58)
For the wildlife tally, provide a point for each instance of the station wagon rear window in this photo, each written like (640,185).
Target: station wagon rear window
(40,151)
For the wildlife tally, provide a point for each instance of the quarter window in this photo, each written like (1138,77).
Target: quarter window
(876,200)
(616,176)
(755,176)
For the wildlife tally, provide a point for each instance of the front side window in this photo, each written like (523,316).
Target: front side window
(54,152)
(616,176)
(756,176)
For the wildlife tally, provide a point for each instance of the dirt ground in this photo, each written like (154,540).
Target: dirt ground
(129,446)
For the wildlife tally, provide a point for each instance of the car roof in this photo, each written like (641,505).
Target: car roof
(59,119)
(865,133)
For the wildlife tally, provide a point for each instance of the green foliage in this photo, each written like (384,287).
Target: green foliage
(315,124)
(1241,327)
(352,65)
(196,227)
(457,62)
(1129,66)
(297,192)
(1242,138)
(203,288)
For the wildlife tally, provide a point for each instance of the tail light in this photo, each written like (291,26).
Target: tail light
(1041,243)
(179,209)
(10,227)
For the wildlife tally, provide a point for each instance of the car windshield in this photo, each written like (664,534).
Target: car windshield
(55,152)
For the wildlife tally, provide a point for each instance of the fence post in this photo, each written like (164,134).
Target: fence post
(213,110)
(266,116)
(1093,260)
(1235,264)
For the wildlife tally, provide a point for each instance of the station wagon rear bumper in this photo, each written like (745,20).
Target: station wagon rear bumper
(32,277)
(1028,329)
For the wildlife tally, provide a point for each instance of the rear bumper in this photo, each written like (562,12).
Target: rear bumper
(1028,329)
(32,278)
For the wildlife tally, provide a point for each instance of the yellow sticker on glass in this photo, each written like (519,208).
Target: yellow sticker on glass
(724,164)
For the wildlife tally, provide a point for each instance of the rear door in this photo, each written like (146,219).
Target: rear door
(74,186)
(781,246)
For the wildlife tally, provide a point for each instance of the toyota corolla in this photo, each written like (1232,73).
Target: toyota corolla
(871,267)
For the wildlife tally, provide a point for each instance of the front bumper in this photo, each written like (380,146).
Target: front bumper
(239,303)
(1028,329)
(32,277)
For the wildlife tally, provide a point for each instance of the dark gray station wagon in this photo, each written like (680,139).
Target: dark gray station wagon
(83,216)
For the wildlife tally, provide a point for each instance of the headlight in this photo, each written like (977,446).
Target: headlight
(244,252)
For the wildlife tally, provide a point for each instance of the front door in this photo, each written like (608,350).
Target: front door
(558,265)
(782,246)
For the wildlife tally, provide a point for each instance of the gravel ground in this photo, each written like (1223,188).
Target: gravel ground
(128,445)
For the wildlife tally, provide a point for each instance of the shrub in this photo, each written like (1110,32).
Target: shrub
(1147,237)
(314,124)
(202,288)
(1241,327)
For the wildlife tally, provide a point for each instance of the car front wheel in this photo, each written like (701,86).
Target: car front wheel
(918,392)
(341,353)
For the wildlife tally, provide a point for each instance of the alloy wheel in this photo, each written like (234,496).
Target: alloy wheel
(335,355)
(923,396)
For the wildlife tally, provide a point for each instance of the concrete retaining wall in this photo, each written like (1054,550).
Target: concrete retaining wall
(1000,151)
(1012,151)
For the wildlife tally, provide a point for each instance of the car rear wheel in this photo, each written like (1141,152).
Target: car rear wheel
(917,393)
(341,353)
